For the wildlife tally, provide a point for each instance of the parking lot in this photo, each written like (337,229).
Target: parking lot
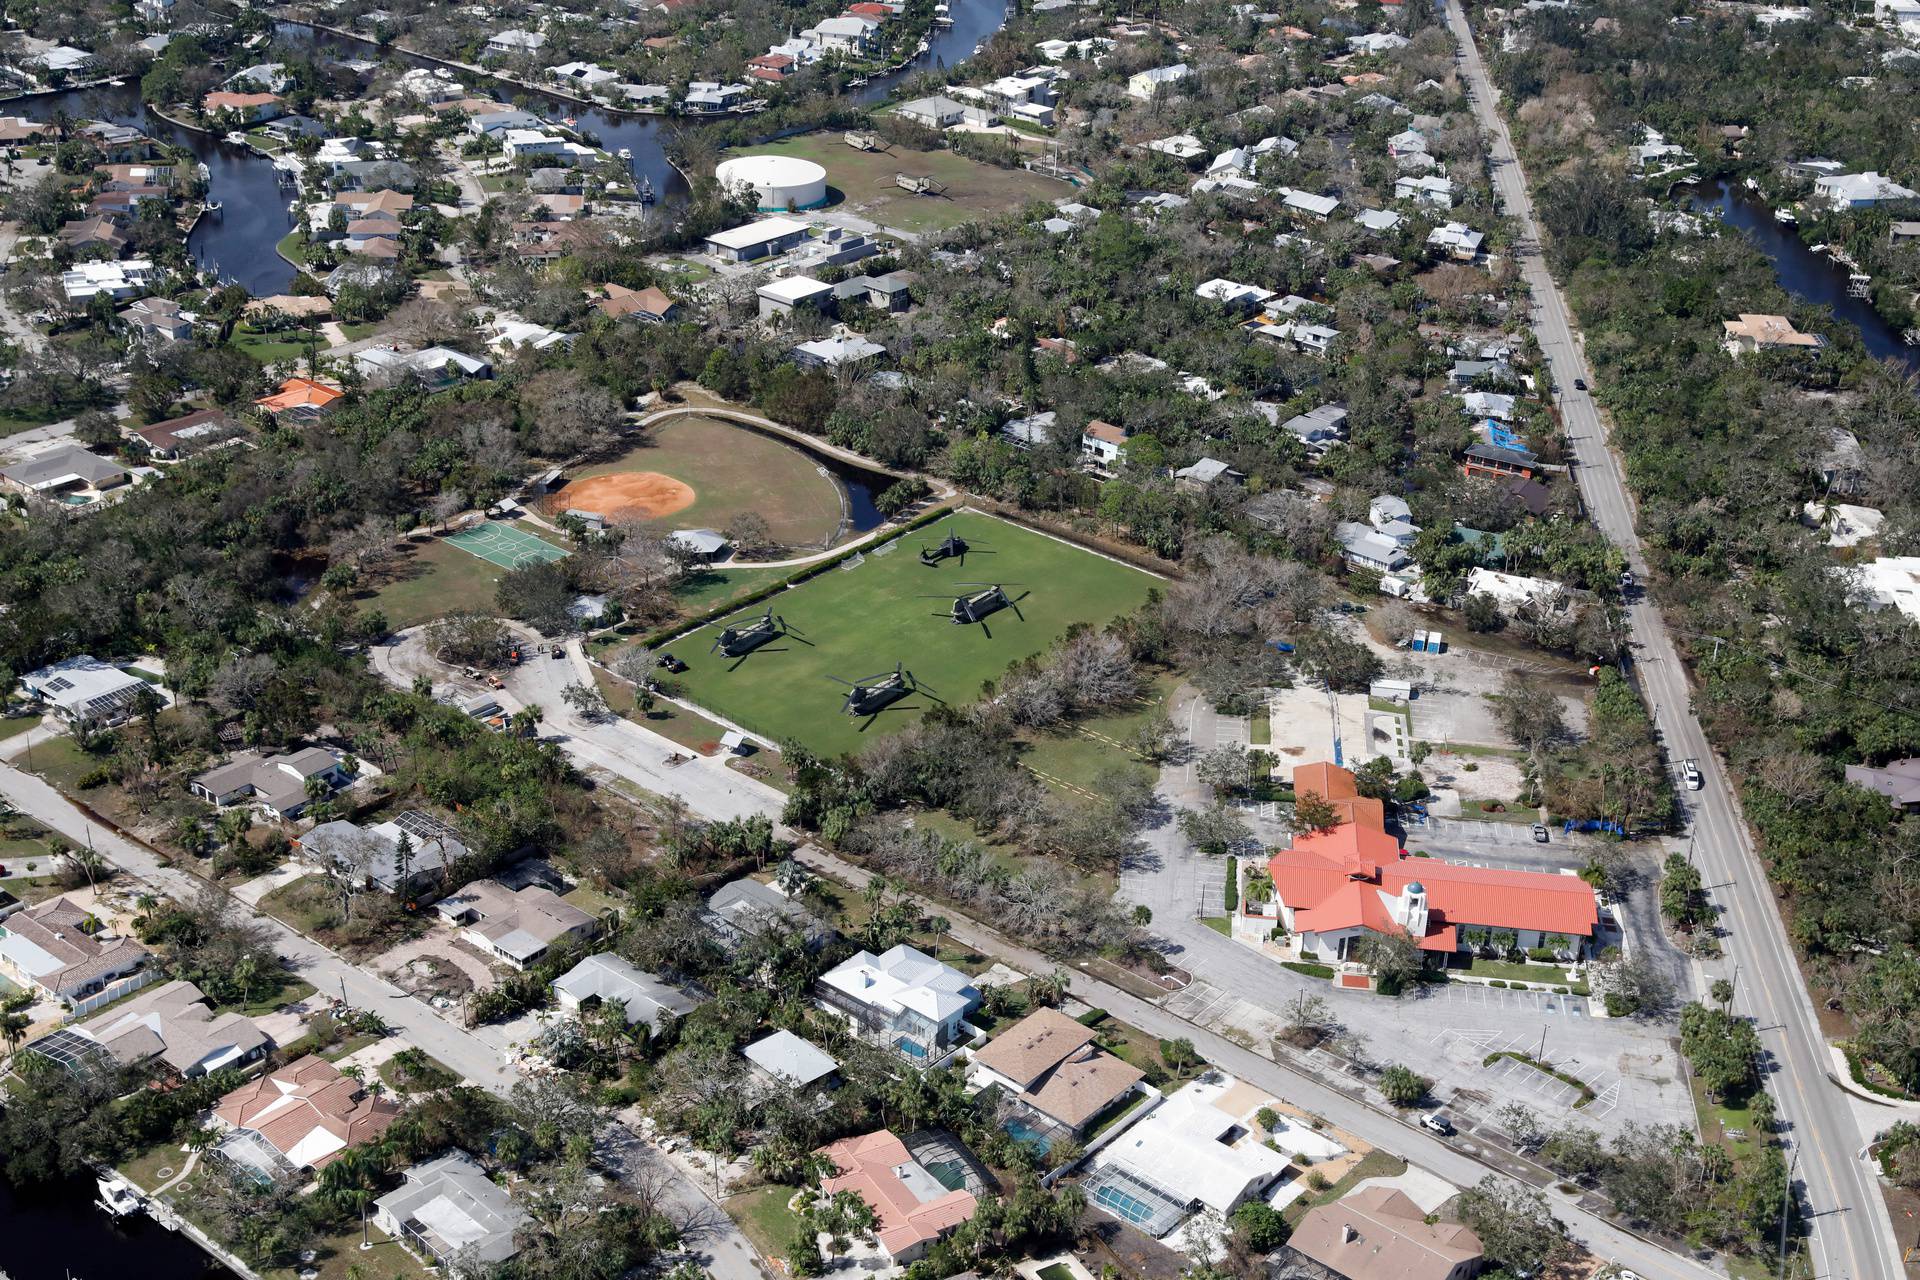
(1461,999)
(1507,1080)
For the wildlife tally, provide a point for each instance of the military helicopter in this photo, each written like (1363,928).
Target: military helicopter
(739,641)
(870,695)
(951,547)
(979,605)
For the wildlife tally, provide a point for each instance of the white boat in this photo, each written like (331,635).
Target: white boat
(237,138)
(118,1196)
(625,153)
(1753,184)
(1785,215)
(116,84)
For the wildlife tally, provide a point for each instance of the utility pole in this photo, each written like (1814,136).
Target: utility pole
(1786,1203)
(1542,1055)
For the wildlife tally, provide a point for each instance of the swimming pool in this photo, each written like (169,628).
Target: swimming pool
(1038,1141)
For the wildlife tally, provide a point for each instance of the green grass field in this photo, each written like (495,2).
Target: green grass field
(730,469)
(853,623)
(863,182)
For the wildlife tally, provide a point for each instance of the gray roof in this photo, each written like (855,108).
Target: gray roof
(59,464)
(1897,780)
(456,1209)
(744,905)
(172,1022)
(277,780)
(607,977)
(791,1060)
(372,850)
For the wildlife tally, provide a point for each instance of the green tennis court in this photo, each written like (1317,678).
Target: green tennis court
(504,545)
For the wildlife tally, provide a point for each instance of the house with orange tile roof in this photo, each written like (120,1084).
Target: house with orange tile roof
(254,108)
(301,400)
(302,1116)
(914,1209)
(1336,886)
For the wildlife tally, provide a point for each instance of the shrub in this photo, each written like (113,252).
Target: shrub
(1498,983)
(1307,968)
(99,776)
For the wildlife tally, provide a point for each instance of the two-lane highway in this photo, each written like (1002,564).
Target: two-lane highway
(1851,1233)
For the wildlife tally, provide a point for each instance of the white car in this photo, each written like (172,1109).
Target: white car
(1690,774)
(1437,1123)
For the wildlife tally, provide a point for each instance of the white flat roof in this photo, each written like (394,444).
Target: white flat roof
(793,288)
(752,233)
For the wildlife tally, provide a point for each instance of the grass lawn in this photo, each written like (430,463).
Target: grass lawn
(144,1169)
(291,248)
(731,469)
(295,989)
(710,588)
(1506,813)
(675,723)
(765,1219)
(1079,758)
(61,763)
(1220,925)
(340,1253)
(1507,971)
(424,1074)
(271,347)
(18,725)
(849,623)
(1717,1120)
(427,579)
(681,270)
(862,182)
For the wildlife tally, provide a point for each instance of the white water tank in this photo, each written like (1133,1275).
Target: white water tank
(778,183)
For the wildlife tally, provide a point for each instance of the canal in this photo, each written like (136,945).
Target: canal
(55,1233)
(1808,276)
(241,242)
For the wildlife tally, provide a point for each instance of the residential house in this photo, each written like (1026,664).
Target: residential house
(793,293)
(648,305)
(87,233)
(1497,462)
(68,470)
(1379,1233)
(1859,190)
(1406,143)
(905,999)
(451,1215)
(435,367)
(515,926)
(1457,240)
(1034,431)
(1369,549)
(1897,780)
(82,690)
(1195,1152)
(703,546)
(250,108)
(1050,1065)
(941,112)
(1234,295)
(1513,591)
(890,292)
(742,908)
(1207,474)
(1391,517)
(1752,333)
(1146,85)
(170,1024)
(850,351)
(755,240)
(1102,443)
(374,855)
(584,76)
(1308,205)
(306,1115)
(117,280)
(1376,42)
(1334,888)
(282,784)
(65,951)
(849,33)
(159,320)
(709,97)
(496,124)
(786,1059)
(913,1209)
(263,77)
(515,43)
(1426,188)
(1181,146)
(611,979)
(301,400)
(1379,221)
(1318,429)
(167,440)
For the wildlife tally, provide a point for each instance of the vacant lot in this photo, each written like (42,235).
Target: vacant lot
(862,182)
(732,470)
(852,623)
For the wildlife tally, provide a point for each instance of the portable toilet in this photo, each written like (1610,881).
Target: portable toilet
(1434,643)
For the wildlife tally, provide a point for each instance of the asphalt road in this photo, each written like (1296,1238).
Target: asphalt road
(1851,1234)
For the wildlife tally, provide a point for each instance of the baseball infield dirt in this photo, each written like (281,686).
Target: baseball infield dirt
(646,494)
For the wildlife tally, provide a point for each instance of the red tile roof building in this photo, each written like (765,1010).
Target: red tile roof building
(1334,887)
(308,1112)
(913,1208)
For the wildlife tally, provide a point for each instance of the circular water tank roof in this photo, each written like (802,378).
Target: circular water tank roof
(1414,886)
(778,182)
